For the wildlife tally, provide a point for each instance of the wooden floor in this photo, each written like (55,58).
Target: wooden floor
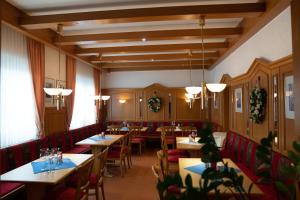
(138,182)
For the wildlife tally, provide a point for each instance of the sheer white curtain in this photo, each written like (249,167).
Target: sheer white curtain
(84,112)
(18,118)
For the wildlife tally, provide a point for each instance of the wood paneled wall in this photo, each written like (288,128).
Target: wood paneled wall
(55,120)
(174,106)
(240,122)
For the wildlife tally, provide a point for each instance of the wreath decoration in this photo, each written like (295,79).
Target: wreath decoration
(258,99)
(154,104)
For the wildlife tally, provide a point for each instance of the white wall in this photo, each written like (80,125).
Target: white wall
(272,42)
(141,79)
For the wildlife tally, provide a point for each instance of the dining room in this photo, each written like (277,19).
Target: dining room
(149,100)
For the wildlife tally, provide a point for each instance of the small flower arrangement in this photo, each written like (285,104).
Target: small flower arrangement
(258,99)
(154,104)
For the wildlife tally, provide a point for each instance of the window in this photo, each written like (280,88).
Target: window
(84,112)
(18,121)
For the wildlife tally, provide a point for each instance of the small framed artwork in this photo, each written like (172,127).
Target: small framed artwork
(289,97)
(238,94)
(49,83)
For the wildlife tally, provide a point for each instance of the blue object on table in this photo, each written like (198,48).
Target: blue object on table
(43,166)
(99,138)
(124,129)
(199,169)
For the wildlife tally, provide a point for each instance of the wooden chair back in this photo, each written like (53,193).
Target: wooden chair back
(83,182)
(114,129)
(187,130)
(101,158)
(135,130)
(169,130)
(163,162)
(157,172)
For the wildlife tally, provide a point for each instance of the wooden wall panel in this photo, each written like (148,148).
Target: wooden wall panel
(55,120)
(174,106)
(183,111)
(240,122)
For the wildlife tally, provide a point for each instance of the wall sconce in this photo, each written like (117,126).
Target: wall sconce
(140,107)
(122,101)
(105,98)
(189,99)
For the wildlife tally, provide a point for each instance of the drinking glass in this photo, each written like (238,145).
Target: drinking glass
(43,157)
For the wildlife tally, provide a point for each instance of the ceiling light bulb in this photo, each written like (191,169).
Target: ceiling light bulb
(122,101)
(144,39)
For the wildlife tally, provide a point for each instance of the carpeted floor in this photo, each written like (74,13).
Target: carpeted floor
(138,182)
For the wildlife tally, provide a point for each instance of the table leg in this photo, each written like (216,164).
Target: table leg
(35,191)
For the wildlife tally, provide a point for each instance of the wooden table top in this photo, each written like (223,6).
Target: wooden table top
(177,129)
(187,162)
(126,129)
(25,173)
(183,143)
(100,143)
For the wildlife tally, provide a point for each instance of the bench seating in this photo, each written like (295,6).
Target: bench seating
(18,155)
(243,152)
(151,133)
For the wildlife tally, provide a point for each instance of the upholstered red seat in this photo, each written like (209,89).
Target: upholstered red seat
(137,139)
(113,154)
(80,149)
(93,179)
(174,158)
(8,187)
(174,189)
(62,193)
(177,152)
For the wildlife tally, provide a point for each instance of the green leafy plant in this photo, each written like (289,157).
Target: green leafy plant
(291,171)
(264,154)
(212,177)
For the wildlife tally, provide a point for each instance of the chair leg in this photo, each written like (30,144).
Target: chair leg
(102,191)
(128,161)
(97,193)
(140,148)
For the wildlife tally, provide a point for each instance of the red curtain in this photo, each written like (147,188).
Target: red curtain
(71,81)
(36,55)
(97,90)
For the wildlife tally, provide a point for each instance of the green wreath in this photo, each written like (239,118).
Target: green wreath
(154,104)
(258,99)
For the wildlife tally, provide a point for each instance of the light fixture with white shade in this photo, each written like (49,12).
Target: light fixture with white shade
(216,87)
(105,97)
(192,90)
(58,93)
(122,101)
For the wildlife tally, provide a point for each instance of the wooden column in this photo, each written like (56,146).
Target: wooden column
(295,10)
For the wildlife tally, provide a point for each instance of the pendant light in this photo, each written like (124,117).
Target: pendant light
(58,93)
(191,90)
(212,87)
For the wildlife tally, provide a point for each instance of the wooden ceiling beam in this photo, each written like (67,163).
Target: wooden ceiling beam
(155,57)
(155,63)
(139,14)
(151,35)
(153,48)
(153,68)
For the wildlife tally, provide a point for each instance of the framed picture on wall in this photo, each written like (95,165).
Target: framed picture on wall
(289,97)
(49,83)
(238,94)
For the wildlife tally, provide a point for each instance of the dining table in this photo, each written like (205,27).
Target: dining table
(99,142)
(177,129)
(191,145)
(36,181)
(195,167)
(126,129)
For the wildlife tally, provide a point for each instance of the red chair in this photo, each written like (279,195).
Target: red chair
(136,138)
(83,174)
(96,179)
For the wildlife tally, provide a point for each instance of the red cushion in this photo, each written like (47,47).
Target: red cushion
(248,172)
(63,193)
(93,179)
(80,149)
(3,161)
(173,159)
(7,187)
(33,149)
(177,152)
(137,140)
(113,154)
(174,189)
(269,191)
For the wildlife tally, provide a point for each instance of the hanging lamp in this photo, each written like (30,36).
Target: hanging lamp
(212,87)
(191,90)
(58,93)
